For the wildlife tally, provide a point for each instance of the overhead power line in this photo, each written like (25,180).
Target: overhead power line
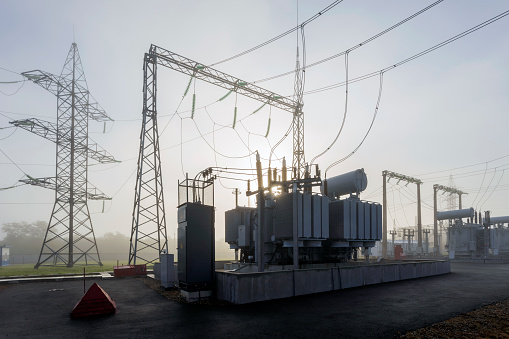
(418,55)
(368,131)
(456,168)
(8,70)
(354,47)
(323,11)
(13,162)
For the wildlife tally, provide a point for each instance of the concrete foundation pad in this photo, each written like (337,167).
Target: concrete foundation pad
(195,296)
(248,287)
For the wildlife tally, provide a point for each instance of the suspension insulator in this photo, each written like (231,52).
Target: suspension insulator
(225,96)
(268,129)
(259,108)
(188,86)
(194,105)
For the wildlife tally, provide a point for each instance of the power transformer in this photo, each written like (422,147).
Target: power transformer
(329,229)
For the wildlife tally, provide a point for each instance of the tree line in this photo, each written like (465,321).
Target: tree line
(25,238)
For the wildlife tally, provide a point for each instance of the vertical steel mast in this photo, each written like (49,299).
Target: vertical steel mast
(299,160)
(148,233)
(70,237)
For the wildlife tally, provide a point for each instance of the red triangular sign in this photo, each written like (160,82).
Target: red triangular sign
(96,301)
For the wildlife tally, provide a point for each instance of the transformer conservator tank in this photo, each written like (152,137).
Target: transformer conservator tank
(348,183)
(499,220)
(456,214)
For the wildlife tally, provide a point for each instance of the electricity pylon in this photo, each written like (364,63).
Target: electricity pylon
(70,237)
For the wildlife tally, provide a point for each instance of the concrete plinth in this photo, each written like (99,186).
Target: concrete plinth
(195,296)
(248,287)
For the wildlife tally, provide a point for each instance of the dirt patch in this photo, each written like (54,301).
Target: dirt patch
(491,321)
(3,287)
(174,295)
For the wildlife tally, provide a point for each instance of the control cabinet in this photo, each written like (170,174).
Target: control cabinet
(196,247)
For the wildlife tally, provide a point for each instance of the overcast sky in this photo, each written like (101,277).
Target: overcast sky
(442,114)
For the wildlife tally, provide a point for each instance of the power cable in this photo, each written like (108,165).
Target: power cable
(401,201)
(487,199)
(486,190)
(467,174)
(26,203)
(13,162)
(344,114)
(22,84)
(9,163)
(212,148)
(453,169)
(181,146)
(11,133)
(323,11)
(418,55)
(480,187)
(8,70)
(356,46)
(215,155)
(16,184)
(369,129)
(38,116)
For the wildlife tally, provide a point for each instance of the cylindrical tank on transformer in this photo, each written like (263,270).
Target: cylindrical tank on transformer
(348,183)
(456,214)
(499,220)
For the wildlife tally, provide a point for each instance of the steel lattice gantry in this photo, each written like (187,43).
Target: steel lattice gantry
(70,236)
(148,232)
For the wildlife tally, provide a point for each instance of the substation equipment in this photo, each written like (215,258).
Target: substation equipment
(475,238)
(388,175)
(292,225)
(478,237)
(148,232)
(196,235)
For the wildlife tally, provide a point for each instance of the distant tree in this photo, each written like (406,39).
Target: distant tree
(113,243)
(23,229)
(23,237)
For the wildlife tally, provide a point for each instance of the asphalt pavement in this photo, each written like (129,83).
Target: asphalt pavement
(41,310)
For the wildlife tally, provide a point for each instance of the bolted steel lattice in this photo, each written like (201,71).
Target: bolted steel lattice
(70,236)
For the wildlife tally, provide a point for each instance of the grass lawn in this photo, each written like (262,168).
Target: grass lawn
(28,269)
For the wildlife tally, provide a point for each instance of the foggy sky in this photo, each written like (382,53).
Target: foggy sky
(438,113)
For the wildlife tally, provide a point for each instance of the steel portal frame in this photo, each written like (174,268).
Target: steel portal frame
(148,230)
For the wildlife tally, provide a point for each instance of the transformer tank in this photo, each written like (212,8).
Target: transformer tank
(329,229)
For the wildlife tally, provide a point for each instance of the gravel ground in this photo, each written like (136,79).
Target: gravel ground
(491,321)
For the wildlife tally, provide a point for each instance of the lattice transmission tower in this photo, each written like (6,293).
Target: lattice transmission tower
(451,198)
(70,236)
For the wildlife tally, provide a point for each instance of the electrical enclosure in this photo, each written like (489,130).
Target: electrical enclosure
(196,246)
